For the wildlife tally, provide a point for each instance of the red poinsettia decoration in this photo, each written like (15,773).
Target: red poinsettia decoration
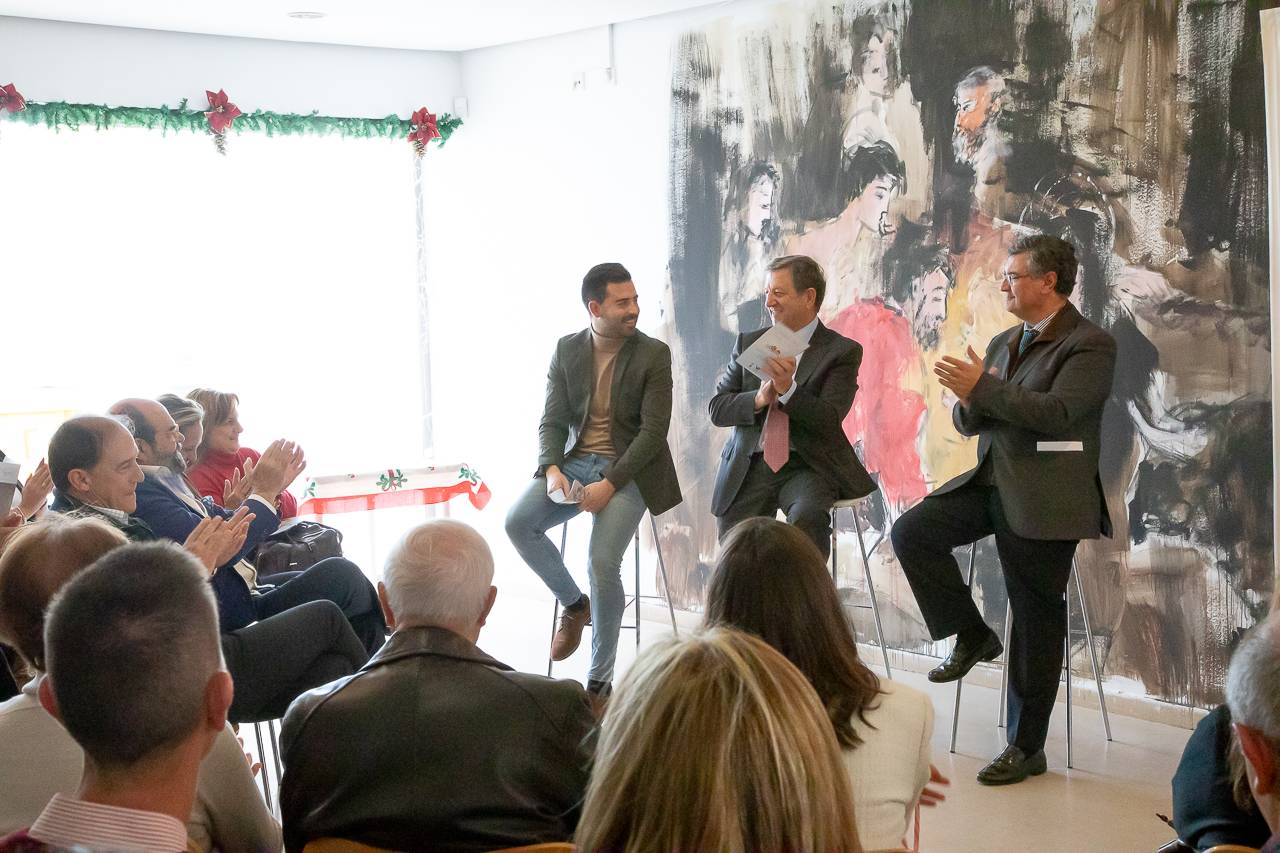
(220,115)
(11,99)
(422,129)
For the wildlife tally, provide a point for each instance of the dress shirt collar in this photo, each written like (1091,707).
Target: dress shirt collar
(68,822)
(1042,325)
(806,331)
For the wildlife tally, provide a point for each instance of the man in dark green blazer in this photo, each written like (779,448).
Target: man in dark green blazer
(1035,401)
(603,433)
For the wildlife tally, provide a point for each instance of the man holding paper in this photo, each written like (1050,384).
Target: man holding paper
(1035,401)
(603,450)
(786,392)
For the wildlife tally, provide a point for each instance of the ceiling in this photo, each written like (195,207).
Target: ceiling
(411,24)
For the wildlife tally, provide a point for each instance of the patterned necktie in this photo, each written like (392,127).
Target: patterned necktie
(777,438)
(1028,335)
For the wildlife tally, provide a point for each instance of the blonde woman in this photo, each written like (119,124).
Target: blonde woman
(717,743)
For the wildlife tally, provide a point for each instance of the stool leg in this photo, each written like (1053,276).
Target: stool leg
(1004,673)
(275,755)
(834,578)
(262,759)
(871,591)
(662,569)
(555,608)
(1066,654)
(955,717)
(1093,654)
(637,589)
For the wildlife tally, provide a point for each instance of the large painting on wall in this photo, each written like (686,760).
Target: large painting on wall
(904,146)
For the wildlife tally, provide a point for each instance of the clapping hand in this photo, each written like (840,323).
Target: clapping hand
(36,490)
(279,466)
(781,372)
(215,541)
(959,376)
(239,487)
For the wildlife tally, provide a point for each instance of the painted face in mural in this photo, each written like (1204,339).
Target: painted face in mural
(871,207)
(930,306)
(976,107)
(791,309)
(760,205)
(616,317)
(874,73)
(1028,296)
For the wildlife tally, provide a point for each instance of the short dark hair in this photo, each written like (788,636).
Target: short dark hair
(868,162)
(78,444)
(131,643)
(597,280)
(803,618)
(806,274)
(1049,254)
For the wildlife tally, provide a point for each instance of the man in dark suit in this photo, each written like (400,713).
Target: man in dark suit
(789,450)
(604,426)
(1035,401)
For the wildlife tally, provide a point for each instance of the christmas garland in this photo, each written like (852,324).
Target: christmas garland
(223,116)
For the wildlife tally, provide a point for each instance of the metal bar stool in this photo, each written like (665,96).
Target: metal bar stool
(628,600)
(273,739)
(1004,677)
(866,571)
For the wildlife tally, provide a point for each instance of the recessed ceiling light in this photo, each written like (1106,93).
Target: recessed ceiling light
(306,16)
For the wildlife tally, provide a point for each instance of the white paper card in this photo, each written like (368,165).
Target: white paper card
(8,486)
(778,342)
(1060,446)
(574,496)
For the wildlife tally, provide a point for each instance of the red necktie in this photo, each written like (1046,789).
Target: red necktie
(777,438)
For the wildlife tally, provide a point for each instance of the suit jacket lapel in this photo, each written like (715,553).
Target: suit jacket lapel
(1063,323)
(580,370)
(620,362)
(809,358)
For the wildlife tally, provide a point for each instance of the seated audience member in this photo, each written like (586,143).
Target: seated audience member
(884,728)
(187,414)
(38,758)
(94,463)
(716,742)
(1212,803)
(219,456)
(134,673)
(166,504)
(1253,695)
(434,745)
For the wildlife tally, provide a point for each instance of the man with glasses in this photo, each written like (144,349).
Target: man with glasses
(1035,401)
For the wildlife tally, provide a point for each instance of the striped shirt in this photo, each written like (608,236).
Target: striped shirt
(1042,325)
(68,822)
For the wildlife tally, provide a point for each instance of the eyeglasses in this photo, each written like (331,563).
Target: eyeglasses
(1015,277)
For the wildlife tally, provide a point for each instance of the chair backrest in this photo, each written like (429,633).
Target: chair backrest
(340,845)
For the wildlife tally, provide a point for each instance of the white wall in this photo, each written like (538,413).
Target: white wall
(83,63)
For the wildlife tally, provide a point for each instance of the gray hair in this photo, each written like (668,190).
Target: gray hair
(130,644)
(439,575)
(1253,681)
(183,410)
(982,75)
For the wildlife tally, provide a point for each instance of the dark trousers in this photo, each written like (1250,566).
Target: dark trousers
(335,579)
(1035,574)
(804,495)
(275,660)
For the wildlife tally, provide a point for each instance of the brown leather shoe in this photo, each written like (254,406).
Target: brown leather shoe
(569,632)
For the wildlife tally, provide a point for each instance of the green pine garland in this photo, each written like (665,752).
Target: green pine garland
(59,114)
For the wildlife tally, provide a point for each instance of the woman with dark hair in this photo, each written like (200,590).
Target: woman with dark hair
(219,457)
(771,581)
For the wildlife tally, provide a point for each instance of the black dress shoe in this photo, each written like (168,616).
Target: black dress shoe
(1012,765)
(964,657)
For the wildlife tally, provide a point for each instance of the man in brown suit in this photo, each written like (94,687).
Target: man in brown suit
(1035,401)
(604,425)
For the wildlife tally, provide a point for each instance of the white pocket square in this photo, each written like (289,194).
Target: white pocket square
(1059,446)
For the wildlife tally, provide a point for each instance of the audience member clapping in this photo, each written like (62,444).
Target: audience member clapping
(219,458)
(1253,695)
(717,743)
(435,745)
(771,581)
(38,758)
(134,673)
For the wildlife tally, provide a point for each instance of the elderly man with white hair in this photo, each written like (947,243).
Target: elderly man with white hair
(1253,695)
(434,744)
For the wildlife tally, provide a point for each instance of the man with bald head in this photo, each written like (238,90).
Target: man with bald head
(172,509)
(482,757)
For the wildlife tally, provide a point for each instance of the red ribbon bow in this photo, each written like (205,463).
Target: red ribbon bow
(423,128)
(11,99)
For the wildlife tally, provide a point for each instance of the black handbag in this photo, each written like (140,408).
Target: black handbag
(296,547)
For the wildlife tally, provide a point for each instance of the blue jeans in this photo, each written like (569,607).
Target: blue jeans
(615,526)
